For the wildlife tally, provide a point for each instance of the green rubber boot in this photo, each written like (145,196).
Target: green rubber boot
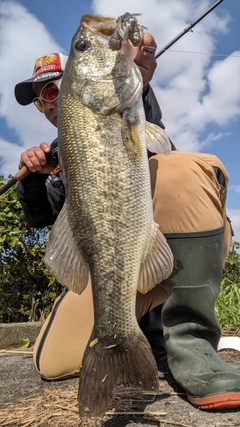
(191,329)
(152,327)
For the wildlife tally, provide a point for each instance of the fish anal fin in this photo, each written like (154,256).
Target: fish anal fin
(158,263)
(104,368)
(63,258)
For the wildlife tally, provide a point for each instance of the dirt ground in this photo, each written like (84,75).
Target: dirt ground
(27,400)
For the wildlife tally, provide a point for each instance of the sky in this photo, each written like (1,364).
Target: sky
(197,81)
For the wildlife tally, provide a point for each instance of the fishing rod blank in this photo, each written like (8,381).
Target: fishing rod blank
(187,29)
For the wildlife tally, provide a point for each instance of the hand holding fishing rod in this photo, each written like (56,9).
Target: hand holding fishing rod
(35,159)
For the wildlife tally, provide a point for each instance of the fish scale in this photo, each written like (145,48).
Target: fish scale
(106,226)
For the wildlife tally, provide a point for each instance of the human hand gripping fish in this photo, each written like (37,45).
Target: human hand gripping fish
(106,226)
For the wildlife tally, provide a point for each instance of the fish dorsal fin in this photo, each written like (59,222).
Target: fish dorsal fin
(158,264)
(64,258)
(157,139)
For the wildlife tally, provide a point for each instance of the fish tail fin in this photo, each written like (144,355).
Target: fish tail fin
(103,368)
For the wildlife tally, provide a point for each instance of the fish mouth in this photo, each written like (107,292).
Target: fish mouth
(105,25)
(110,27)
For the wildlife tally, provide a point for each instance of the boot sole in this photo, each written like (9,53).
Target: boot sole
(221,401)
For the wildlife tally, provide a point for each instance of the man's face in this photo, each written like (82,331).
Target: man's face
(50,108)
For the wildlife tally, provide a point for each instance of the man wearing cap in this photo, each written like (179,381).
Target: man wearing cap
(189,197)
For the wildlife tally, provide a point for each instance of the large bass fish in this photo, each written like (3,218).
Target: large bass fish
(106,226)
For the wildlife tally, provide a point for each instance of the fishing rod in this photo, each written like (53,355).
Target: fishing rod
(187,29)
(24,171)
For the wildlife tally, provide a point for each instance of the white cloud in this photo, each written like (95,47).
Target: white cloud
(234,215)
(12,153)
(223,101)
(22,39)
(235,188)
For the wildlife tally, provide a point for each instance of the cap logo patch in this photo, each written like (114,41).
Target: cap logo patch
(46,63)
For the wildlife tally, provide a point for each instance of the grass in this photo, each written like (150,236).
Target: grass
(228,302)
(228,307)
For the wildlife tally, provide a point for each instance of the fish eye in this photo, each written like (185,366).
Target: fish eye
(82,45)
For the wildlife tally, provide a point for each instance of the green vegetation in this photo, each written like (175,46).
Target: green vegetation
(228,302)
(27,290)
(25,343)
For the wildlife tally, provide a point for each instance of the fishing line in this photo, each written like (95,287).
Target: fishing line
(204,53)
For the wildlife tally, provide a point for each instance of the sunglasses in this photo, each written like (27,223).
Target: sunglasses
(49,93)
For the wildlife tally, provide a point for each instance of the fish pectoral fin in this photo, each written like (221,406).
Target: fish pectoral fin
(131,137)
(63,258)
(157,139)
(104,367)
(158,263)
